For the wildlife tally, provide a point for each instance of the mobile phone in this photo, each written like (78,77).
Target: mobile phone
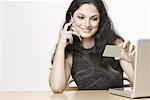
(112,51)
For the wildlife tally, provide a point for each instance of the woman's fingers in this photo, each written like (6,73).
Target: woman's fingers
(71,32)
(69,38)
(67,25)
(126,44)
(133,52)
(131,48)
(127,52)
(121,44)
(67,35)
(75,33)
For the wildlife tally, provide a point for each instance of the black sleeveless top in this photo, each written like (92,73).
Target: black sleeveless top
(92,71)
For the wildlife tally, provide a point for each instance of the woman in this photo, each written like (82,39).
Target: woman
(86,32)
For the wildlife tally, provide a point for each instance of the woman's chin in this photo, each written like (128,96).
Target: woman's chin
(85,35)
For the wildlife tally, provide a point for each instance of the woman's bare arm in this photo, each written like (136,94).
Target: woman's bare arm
(128,69)
(60,72)
(61,67)
(127,58)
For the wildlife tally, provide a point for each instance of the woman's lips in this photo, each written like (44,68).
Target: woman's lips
(86,30)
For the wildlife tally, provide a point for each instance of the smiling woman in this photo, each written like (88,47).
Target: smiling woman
(79,52)
(29,32)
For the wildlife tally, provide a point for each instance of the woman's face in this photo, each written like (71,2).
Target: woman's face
(86,20)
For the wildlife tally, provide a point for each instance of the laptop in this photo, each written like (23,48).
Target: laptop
(141,84)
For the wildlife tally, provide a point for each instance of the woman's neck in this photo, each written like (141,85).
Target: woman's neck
(88,42)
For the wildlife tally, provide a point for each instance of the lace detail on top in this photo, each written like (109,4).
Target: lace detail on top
(92,71)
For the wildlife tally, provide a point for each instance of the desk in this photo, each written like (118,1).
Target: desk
(66,95)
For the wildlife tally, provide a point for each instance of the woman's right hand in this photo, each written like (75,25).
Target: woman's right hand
(65,37)
(128,52)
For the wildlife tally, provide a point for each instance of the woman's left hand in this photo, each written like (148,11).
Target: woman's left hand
(127,52)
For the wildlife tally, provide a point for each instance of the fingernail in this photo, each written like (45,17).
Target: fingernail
(80,38)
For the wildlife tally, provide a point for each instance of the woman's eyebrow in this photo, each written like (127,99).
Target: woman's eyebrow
(96,15)
(80,13)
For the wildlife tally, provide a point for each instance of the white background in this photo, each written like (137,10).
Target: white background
(29,31)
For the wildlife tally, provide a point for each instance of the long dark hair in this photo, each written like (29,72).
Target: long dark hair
(105,33)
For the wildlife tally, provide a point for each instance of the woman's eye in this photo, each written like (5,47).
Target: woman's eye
(80,17)
(95,19)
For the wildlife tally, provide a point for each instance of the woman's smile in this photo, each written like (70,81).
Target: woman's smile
(86,30)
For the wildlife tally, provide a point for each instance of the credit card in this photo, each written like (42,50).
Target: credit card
(112,51)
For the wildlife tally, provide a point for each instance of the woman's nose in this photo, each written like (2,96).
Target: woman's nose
(87,23)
